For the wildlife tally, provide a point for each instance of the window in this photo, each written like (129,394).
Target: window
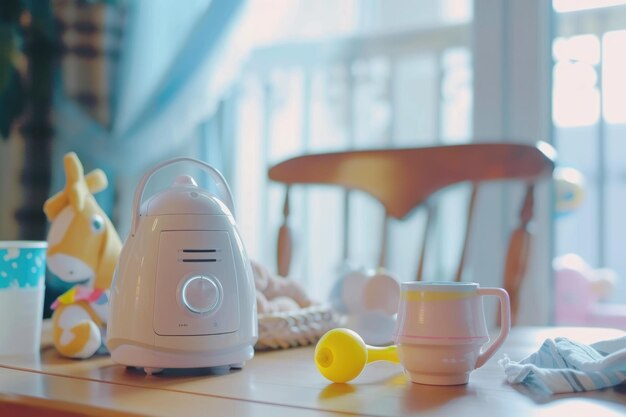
(392,73)
(589,116)
(378,77)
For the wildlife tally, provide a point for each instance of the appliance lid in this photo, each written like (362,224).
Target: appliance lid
(183,197)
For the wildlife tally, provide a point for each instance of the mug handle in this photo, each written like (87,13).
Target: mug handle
(505,320)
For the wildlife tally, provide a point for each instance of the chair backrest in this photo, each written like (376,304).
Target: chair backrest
(403,179)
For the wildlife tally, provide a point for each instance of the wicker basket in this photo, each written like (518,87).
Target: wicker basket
(295,328)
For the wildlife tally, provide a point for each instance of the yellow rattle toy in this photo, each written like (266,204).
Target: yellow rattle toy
(341,355)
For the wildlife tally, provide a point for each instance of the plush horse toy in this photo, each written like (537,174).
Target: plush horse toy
(83,248)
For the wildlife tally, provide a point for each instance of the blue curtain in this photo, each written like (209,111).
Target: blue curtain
(169,55)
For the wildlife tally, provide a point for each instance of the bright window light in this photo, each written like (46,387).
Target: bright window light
(576,97)
(613,79)
(456,11)
(563,6)
(581,48)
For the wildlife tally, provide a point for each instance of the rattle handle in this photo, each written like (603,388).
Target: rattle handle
(387,353)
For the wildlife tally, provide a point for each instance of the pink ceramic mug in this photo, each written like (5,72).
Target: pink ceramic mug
(441,330)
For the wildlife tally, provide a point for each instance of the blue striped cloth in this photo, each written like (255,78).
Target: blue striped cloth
(564,365)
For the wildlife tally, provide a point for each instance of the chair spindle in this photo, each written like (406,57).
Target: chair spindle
(384,242)
(518,252)
(285,243)
(430,218)
(468,232)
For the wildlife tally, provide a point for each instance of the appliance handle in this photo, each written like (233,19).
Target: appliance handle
(217,177)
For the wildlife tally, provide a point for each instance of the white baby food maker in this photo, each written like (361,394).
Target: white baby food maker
(183,293)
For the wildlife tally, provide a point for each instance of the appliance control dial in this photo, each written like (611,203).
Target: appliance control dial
(201,294)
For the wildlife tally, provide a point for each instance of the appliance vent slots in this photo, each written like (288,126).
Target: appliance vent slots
(200,260)
(199,252)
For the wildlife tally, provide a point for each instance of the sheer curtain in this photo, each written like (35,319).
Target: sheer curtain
(167,87)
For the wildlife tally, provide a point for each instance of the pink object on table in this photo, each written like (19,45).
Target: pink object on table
(579,293)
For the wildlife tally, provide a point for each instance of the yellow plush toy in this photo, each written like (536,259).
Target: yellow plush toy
(83,248)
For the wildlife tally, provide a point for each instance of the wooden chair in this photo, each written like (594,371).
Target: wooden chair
(403,179)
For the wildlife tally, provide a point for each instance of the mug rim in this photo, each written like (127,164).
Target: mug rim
(439,286)
(23,244)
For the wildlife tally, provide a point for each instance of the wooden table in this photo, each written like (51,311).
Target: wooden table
(286,383)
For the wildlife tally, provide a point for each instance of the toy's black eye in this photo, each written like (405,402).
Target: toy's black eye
(97,223)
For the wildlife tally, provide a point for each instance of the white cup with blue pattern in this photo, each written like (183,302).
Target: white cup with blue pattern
(22,284)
